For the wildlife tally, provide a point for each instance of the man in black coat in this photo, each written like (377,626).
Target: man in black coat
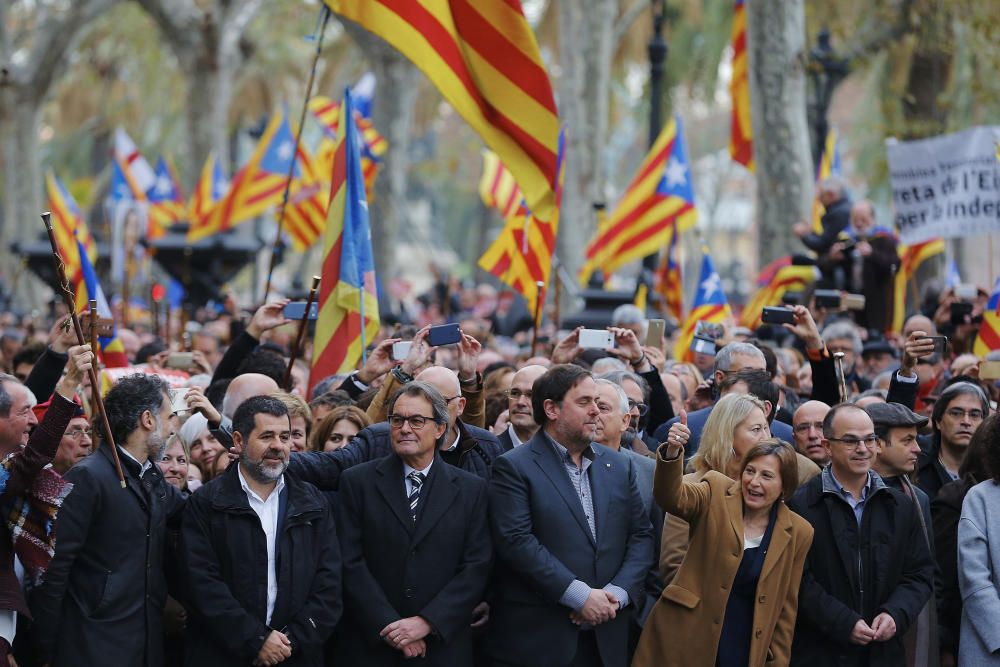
(573,541)
(259,556)
(102,599)
(415,543)
(869,571)
(835,221)
(521,425)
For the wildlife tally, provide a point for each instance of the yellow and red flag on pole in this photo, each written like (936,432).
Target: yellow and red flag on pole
(497,187)
(305,214)
(69,227)
(327,113)
(259,185)
(521,256)
(483,57)
(669,280)
(774,280)
(910,258)
(112,350)
(208,192)
(348,304)
(741,131)
(829,165)
(659,198)
(989,331)
(710,305)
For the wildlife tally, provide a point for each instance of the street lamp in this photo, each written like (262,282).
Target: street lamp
(826,70)
(657,49)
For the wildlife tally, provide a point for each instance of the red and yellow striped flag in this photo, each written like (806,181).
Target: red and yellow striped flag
(829,165)
(68,227)
(348,305)
(483,57)
(910,258)
(327,113)
(497,187)
(710,305)
(741,132)
(305,214)
(988,338)
(669,280)
(775,279)
(659,198)
(521,256)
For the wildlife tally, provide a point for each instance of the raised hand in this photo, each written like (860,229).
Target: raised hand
(81,360)
(678,435)
(269,316)
(568,348)
(917,346)
(468,356)
(379,361)
(420,353)
(805,328)
(197,402)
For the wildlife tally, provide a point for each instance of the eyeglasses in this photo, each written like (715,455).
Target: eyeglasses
(77,433)
(416,421)
(516,394)
(869,441)
(806,426)
(958,413)
(449,400)
(641,407)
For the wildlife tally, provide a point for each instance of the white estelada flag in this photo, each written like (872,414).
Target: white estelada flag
(132,162)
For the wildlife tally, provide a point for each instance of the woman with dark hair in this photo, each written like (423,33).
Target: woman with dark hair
(748,577)
(946,509)
(338,428)
(979,561)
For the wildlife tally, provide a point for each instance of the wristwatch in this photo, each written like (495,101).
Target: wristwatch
(401,375)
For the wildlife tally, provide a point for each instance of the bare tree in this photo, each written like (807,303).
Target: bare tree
(31,59)
(206,37)
(776,47)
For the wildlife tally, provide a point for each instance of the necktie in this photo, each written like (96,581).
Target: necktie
(416,481)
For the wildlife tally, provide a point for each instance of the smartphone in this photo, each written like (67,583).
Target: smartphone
(654,333)
(961,311)
(709,330)
(852,302)
(600,339)
(401,349)
(989,370)
(296,309)
(773,315)
(940,343)
(966,292)
(827,298)
(180,360)
(792,298)
(177,402)
(701,345)
(444,334)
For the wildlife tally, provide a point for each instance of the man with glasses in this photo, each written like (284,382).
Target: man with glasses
(415,544)
(869,571)
(807,427)
(521,425)
(77,442)
(957,414)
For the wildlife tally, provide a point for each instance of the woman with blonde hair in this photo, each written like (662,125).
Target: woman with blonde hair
(300,417)
(734,601)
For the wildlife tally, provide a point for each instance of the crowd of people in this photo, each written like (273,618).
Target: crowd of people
(493,503)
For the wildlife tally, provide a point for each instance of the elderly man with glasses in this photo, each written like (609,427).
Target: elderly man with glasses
(869,571)
(957,414)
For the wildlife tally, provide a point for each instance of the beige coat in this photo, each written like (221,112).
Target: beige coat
(674,538)
(686,623)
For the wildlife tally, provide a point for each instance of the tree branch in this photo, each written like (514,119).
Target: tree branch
(626,20)
(234,23)
(881,33)
(178,22)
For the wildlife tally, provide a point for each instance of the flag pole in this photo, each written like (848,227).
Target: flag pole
(324,19)
(286,383)
(539,303)
(94,417)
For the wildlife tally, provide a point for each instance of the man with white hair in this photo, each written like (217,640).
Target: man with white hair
(630,316)
(836,218)
(843,336)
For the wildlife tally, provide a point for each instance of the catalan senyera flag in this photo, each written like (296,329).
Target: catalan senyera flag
(68,227)
(497,187)
(740,132)
(483,57)
(208,192)
(710,305)
(348,304)
(669,279)
(135,167)
(774,280)
(659,198)
(166,202)
(989,331)
(112,351)
(521,255)
(258,186)
(829,165)
(327,113)
(305,214)
(910,258)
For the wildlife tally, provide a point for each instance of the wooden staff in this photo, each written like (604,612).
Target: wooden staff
(68,299)
(556,293)
(93,345)
(183,339)
(154,312)
(838,362)
(539,304)
(300,337)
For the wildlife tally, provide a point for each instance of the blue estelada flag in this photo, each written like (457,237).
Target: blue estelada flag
(166,203)
(112,350)
(710,305)
(120,190)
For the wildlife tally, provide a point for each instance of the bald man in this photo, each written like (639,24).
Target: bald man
(807,427)
(521,425)
(240,389)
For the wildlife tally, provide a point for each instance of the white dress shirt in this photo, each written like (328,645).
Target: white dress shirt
(514,440)
(406,476)
(267,512)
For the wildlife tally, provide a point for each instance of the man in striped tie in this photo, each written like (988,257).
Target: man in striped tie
(416,543)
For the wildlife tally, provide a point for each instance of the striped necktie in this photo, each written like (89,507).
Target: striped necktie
(416,481)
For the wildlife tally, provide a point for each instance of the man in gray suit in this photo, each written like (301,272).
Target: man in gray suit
(573,541)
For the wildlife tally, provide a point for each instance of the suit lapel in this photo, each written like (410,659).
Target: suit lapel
(781,536)
(390,485)
(436,497)
(734,508)
(548,460)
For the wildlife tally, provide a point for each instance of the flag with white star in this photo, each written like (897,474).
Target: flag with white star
(710,305)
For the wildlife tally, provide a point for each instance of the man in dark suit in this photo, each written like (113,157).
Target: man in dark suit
(574,543)
(415,544)
(521,424)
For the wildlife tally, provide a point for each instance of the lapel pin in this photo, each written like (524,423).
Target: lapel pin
(609,465)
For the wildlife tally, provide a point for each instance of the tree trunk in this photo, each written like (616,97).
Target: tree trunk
(19,120)
(209,93)
(776,48)
(586,29)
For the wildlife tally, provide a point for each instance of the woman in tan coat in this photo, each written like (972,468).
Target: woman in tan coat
(735,597)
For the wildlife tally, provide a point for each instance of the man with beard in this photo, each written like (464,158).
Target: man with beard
(101,602)
(259,557)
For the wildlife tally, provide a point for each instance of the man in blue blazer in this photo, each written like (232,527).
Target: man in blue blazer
(573,541)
